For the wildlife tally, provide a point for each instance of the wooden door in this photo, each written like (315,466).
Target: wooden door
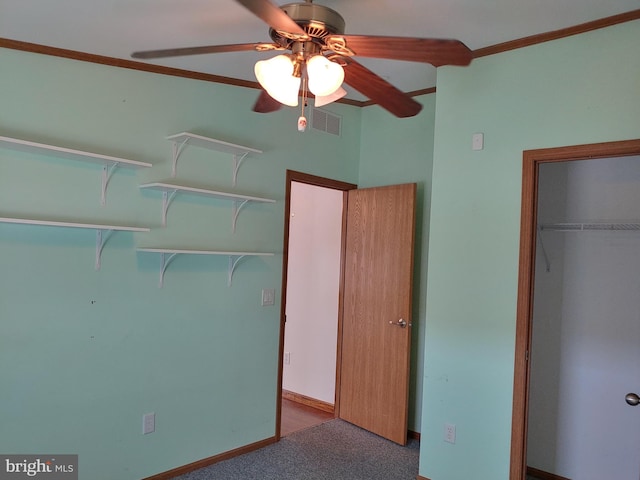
(375,353)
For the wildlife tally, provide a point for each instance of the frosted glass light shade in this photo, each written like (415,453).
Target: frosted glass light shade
(276,77)
(325,76)
(327,99)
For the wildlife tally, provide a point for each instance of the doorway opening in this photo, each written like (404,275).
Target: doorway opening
(373,331)
(532,251)
(308,375)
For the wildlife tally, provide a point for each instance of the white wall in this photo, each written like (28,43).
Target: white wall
(597,435)
(313,278)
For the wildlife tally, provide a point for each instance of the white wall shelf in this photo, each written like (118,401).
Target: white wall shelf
(169,191)
(581,227)
(109,163)
(182,140)
(168,254)
(103,232)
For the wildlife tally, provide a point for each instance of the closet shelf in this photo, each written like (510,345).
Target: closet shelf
(182,140)
(581,227)
(103,232)
(578,227)
(169,190)
(168,254)
(109,163)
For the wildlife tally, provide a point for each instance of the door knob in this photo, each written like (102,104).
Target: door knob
(632,399)
(400,323)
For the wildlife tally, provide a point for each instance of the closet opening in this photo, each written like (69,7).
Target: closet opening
(578,330)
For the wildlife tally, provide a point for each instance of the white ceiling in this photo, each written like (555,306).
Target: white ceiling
(115,28)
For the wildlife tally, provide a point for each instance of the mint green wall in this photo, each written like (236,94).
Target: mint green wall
(401,151)
(86,353)
(577,90)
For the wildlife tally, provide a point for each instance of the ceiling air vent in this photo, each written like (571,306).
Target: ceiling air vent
(326,122)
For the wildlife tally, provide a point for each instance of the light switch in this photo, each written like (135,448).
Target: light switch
(268,297)
(148,423)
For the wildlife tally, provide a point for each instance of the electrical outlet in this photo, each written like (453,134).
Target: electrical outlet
(449,433)
(148,423)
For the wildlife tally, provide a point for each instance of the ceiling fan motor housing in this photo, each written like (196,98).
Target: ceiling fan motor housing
(317,21)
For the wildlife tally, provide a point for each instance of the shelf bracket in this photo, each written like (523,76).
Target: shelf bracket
(165,261)
(166,201)
(107,172)
(233,261)
(237,161)
(101,239)
(177,150)
(544,251)
(237,206)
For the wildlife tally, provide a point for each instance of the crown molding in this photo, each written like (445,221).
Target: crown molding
(557,34)
(177,72)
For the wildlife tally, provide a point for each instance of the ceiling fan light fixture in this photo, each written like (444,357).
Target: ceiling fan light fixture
(327,99)
(325,76)
(276,76)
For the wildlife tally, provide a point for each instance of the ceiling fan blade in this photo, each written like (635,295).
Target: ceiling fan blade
(379,90)
(273,16)
(266,103)
(435,51)
(177,52)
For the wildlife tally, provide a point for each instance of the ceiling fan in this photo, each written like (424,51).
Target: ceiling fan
(321,57)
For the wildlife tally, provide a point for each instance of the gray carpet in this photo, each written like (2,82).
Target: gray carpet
(334,450)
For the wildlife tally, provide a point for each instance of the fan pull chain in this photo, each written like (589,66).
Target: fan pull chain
(302,120)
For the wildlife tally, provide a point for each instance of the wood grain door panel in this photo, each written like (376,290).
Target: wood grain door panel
(377,294)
